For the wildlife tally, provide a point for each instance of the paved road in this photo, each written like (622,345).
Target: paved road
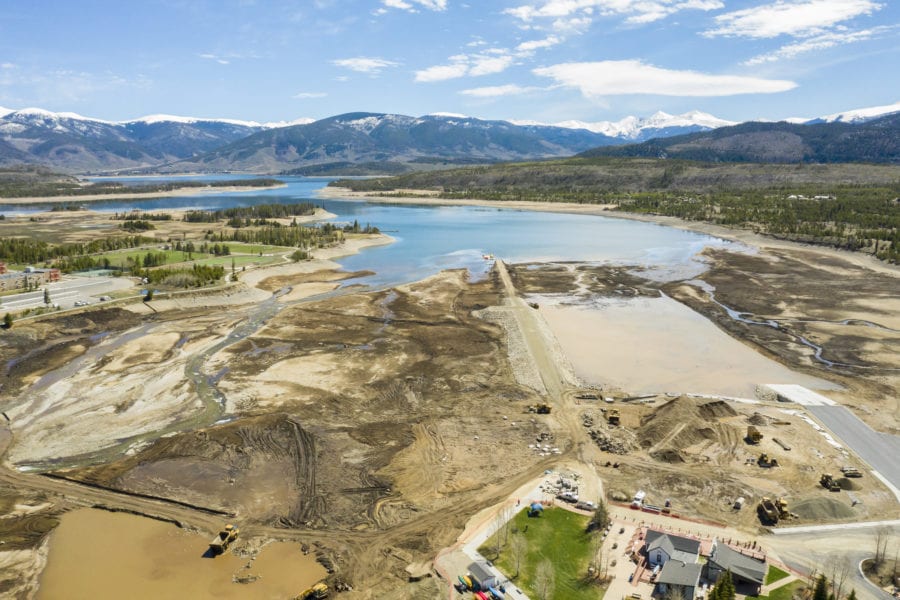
(880,450)
(819,550)
(66,292)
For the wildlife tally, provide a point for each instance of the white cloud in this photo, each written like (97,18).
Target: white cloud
(495,91)
(617,77)
(442,72)
(488,65)
(413,5)
(532,45)
(8,65)
(215,57)
(569,14)
(819,42)
(489,62)
(797,19)
(364,64)
(306,95)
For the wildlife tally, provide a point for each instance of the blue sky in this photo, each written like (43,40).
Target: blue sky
(543,60)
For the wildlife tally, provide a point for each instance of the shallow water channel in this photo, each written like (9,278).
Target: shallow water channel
(96,554)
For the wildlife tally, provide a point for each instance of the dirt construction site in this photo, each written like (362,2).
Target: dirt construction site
(370,426)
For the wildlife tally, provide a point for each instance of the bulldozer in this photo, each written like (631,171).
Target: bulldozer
(753,435)
(316,592)
(765,462)
(612,416)
(828,482)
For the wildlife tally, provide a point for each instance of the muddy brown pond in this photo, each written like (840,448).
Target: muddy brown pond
(96,554)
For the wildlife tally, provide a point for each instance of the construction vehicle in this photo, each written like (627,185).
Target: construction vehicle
(770,511)
(221,541)
(829,483)
(612,416)
(541,409)
(851,472)
(316,592)
(753,435)
(765,462)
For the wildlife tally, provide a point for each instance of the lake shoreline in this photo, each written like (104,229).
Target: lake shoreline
(749,238)
(186,191)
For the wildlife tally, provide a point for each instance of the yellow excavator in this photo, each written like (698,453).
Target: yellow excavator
(316,592)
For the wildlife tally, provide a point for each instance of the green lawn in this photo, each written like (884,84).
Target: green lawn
(557,535)
(775,574)
(785,592)
(240,260)
(120,257)
(241,248)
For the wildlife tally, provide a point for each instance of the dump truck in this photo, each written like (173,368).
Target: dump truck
(766,462)
(851,472)
(612,416)
(316,592)
(223,539)
(753,435)
(828,482)
(768,512)
(541,409)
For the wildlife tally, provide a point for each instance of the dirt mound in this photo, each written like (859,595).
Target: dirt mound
(683,423)
(667,455)
(822,509)
(758,419)
(848,484)
(716,409)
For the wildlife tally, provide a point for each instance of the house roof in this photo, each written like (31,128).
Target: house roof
(673,545)
(675,572)
(740,565)
(481,572)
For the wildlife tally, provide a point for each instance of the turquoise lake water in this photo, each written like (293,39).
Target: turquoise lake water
(429,239)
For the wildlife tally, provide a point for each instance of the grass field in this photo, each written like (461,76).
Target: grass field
(240,260)
(774,574)
(120,257)
(785,592)
(241,248)
(559,536)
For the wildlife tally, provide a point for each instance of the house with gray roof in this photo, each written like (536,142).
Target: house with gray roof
(678,578)
(746,571)
(663,547)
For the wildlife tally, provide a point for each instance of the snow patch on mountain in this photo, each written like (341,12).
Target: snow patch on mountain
(631,128)
(861,114)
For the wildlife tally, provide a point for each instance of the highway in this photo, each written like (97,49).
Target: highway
(66,292)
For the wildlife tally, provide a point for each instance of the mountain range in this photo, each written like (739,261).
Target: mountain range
(373,141)
(871,140)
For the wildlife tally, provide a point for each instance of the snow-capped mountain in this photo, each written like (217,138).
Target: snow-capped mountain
(860,115)
(397,140)
(75,143)
(636,129)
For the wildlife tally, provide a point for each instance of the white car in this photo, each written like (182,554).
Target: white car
(81,303)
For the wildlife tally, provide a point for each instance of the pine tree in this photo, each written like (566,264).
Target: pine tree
(724,588)
(851,595)
(821,590)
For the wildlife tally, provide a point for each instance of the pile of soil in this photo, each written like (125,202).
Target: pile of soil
(822,509)
(758,419)
(684,422)
(848,484)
